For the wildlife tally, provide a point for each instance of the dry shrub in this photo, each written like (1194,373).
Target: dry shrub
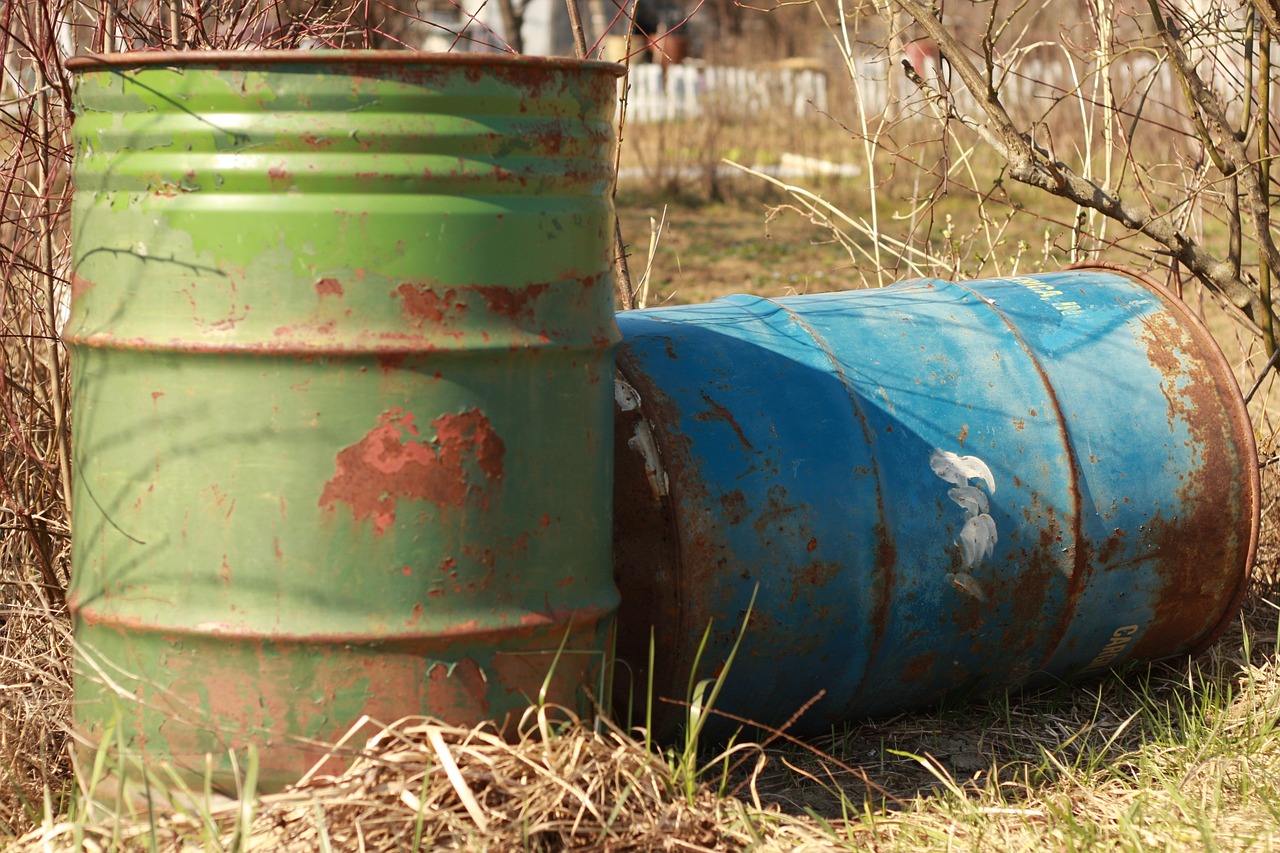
(34,546)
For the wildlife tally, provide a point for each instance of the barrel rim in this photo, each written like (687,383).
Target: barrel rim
(1239,417)
(240,59)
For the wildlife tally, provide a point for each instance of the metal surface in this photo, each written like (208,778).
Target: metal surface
(342,339)
(939,489)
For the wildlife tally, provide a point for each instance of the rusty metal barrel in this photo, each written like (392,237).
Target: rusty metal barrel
(934,489)
(342,339)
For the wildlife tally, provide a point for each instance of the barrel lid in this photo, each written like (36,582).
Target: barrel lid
(257,58)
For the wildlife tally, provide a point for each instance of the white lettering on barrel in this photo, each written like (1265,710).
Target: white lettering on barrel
(1049,294)
(1120,639)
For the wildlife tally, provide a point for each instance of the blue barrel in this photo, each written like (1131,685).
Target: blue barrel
(934,488)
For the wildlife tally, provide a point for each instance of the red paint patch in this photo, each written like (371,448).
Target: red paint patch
(278,174)
(406,571)
(389,464)
(156,395)
(329,287)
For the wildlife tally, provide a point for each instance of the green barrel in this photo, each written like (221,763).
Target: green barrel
(342,363)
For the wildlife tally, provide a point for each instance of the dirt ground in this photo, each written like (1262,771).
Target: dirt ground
(710,250)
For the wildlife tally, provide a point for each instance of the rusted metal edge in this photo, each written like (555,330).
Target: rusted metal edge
(1080,571)
(886,548)
(1220,369)
(254,58)
(558,621)
(672,659)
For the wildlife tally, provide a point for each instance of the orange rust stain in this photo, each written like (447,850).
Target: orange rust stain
(80,286)
(389,361)
(422,302)
(406,571)
(156,395)
(329,287)
(460,693)
(918,667)
(390,464)
(735,505)
(813,545)
(514,302)
(545,521)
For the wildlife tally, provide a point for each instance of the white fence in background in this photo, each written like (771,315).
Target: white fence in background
(1029,88)
(692,91)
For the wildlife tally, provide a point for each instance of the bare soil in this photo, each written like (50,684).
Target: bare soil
(710,250)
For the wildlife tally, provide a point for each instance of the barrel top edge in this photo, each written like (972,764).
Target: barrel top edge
(241,59)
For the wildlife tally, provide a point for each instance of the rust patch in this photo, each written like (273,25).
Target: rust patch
(513,302)
(329,287)
(719,412)
(392,463)
(1202,552)
(422,302)
(809,582)
(735,506)
(918,667)
(80,286)
(457,692)
(389,361)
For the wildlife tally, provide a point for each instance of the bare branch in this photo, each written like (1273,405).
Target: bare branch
(1032,165)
